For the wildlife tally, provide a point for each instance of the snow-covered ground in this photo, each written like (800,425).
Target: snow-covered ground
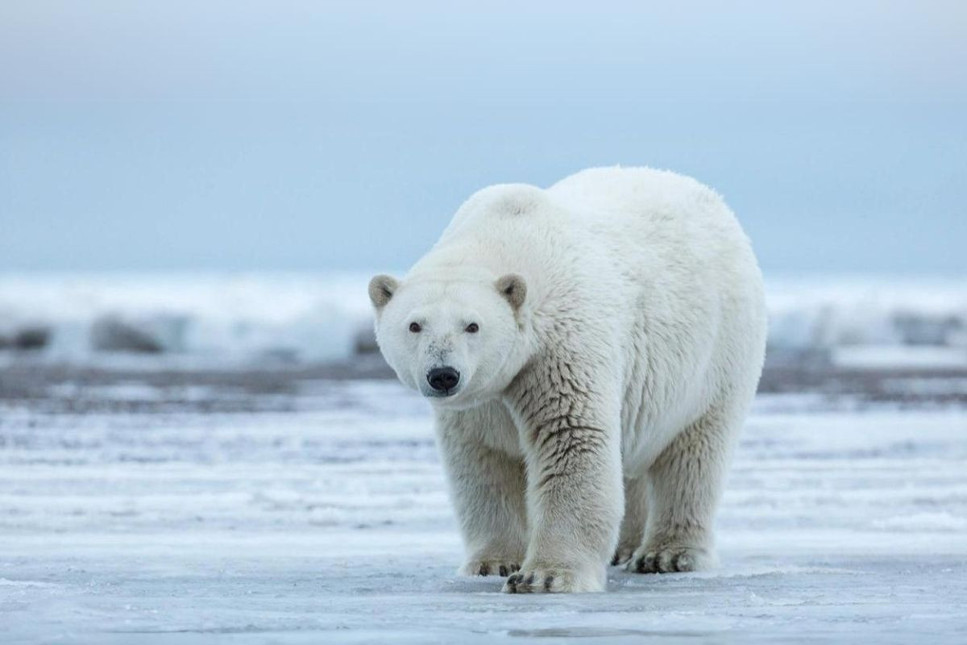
(320,515)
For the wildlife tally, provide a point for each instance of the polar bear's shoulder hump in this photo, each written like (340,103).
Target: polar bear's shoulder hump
(507,199)
(496,203)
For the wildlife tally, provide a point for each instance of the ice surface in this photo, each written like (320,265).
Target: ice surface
(306,317)
(326,520)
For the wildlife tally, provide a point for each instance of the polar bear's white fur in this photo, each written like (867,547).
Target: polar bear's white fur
(590,351)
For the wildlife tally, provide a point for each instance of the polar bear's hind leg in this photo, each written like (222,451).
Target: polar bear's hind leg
(633,524)
(685,485)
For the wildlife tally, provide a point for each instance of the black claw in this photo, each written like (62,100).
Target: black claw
(530,580)
(484,570)
(651,564)
(548,581)
(614,560)
(675,561)
(640,565)
(503,570)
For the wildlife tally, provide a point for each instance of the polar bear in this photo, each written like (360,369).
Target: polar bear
(590,351)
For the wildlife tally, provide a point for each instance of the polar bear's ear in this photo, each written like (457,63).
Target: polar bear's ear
(381,289)
(513,288)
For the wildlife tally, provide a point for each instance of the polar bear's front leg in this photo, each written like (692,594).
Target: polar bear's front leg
(574,489)
(487,488)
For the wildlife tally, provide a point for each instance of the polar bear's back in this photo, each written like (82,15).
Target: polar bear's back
(617,185)
(656,204)
(655,222)
(680,255)
(638,225)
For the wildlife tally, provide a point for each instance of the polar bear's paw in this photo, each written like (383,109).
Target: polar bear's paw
(669,560)
(490,567)
(622,554)
(551,580)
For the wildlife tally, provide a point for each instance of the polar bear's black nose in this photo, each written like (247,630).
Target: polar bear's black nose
(443,379)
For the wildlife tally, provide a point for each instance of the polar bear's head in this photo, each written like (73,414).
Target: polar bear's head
(453,340)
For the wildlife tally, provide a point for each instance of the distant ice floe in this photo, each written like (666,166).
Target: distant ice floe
(279,317)
(311,318)
(869,322)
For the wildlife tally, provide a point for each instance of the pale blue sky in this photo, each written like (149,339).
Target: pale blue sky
(342,135)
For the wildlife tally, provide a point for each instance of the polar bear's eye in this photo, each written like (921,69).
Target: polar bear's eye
(472,328)
(415,327)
